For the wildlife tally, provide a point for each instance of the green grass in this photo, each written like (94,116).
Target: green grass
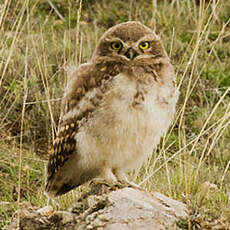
(38,44)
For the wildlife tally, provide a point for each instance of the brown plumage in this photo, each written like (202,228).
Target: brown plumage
(115,109)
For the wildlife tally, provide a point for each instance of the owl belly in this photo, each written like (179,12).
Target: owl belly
(130,140)
(121,135)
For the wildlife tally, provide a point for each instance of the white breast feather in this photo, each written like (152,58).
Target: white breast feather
(121,136)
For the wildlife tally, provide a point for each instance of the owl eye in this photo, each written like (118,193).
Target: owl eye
(144,45)
(116,45)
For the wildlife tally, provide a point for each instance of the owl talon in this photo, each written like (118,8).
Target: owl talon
(112,185)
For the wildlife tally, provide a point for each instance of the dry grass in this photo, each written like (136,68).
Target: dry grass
(40,39)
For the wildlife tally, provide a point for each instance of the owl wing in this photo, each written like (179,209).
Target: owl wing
(82,96)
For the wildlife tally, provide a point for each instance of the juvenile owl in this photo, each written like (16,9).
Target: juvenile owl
(115,109)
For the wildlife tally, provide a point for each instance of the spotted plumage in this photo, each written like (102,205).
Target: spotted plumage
(63,147)
(114,111)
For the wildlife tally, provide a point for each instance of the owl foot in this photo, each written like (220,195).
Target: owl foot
(112,185)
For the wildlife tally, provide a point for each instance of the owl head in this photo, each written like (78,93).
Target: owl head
(130,42)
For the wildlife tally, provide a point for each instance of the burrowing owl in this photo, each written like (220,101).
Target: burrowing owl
(115,109)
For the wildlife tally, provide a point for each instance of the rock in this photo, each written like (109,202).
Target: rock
(103,209)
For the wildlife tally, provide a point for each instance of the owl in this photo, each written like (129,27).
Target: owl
(115,109)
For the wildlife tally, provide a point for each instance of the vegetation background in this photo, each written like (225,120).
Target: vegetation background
(39,42)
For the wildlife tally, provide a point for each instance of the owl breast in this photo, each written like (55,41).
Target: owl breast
(127,125)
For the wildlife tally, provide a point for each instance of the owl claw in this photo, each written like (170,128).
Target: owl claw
(111,185)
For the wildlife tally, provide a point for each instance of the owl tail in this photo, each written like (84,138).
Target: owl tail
(55,187)
(60,183)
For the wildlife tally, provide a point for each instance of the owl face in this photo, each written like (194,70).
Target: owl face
(130,42)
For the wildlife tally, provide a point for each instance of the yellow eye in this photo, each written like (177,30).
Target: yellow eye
(144,45)
(116,45)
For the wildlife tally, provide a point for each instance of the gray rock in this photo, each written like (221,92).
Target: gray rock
(103,209)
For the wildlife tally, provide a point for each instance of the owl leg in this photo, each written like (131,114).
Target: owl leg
(121,177)
(107,174)
(106,177)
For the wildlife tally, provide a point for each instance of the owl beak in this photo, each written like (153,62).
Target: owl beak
(131,54)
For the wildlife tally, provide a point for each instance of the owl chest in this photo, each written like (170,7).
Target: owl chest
(127,133)
(133,119)
(136,107)
(126,126)
(130,119)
